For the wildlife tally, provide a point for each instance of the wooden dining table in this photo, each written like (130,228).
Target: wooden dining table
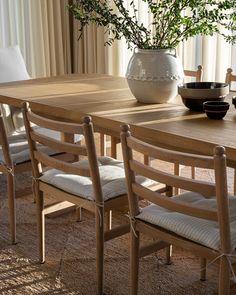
(108,100)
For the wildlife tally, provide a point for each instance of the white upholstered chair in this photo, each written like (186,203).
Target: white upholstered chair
(14,150)
(201,219)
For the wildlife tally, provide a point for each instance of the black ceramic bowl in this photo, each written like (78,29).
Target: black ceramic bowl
(194,94)
(216,109)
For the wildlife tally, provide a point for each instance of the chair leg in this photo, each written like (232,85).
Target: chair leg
(41,226)
(234,181)
(193,172)
(176,172)
(146,160)
(108,223)
(134,263)
(11,205)
(224,277)
(203,269)
(168,255)
(78,214)
(114,142)
(103,144)
(99,216)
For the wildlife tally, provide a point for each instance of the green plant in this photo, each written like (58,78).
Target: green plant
(172,20)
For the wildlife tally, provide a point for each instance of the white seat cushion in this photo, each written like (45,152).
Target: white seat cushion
(199,230)
(12,68)
(112,179)
(19,148)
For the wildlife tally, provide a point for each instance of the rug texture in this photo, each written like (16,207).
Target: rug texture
(70,257)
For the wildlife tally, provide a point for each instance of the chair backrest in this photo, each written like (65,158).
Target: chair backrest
(12,68)
(217,188)
(230,77)
(39,158)
(196,74)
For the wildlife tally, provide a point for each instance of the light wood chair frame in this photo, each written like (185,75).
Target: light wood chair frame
(10,169)
(98,206)
(197,74)
(230,77)
(218,189)
(189,73)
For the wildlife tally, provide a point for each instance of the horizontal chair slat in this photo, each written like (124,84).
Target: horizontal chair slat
(60,165)
(174,205)
(58,145)
(56,126)
(173,180)
(169,155)
(190,73)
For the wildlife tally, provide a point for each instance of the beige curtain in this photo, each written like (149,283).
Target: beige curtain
(41,29)
(89,52)
(48,38)
(213,53)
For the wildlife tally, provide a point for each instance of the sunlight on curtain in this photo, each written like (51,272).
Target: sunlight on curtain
(39,27)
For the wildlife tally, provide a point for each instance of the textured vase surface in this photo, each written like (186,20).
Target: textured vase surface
(154,75)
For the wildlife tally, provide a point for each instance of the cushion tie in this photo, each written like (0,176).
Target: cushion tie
(132,221)
(34,183)
(99,205)
(7,168)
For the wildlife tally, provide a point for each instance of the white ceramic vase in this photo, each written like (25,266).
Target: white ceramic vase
(154,74)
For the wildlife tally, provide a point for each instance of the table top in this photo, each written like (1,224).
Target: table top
(110,103)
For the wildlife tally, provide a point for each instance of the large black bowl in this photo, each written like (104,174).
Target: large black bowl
(194,94)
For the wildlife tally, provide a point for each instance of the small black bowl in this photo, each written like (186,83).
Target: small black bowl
(216,109)
(234,101)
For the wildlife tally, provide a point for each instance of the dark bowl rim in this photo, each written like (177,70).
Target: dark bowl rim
(184,85)
(215,103)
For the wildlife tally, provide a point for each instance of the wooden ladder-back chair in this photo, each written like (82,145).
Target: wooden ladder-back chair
(96,184)
(198,77)
(196,74)
(230,77)
(14,150)
(197,219)
(15,159)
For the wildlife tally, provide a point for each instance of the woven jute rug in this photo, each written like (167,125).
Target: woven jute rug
(70,257)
